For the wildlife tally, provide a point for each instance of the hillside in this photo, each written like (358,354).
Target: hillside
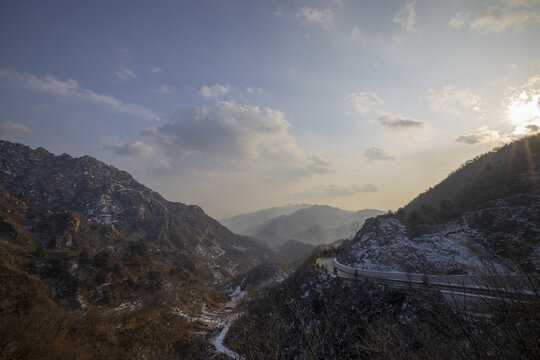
(84,244)
(483,217)
(111,197)
(509,170)
(502,236)
(316,225)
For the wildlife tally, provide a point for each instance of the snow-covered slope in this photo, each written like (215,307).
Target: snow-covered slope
(485,214)
(504,236)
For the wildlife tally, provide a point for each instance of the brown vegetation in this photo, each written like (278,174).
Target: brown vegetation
(333,318)
(49,332)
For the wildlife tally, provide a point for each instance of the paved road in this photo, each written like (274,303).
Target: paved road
(520,285)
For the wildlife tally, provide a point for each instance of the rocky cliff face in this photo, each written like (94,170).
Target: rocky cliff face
(85,190)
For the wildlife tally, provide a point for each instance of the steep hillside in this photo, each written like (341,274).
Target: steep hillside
(510,170)
(503,236)
(111,197)
(241,224)
(316,225)
(483,217)
(90,256)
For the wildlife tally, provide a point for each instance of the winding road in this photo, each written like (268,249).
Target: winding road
(519,286)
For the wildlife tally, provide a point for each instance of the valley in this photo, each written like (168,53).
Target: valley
(86,242)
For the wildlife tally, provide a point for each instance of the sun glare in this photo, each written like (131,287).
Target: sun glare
(524,113)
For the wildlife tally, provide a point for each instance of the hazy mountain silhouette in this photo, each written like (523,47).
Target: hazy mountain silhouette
(315,225)
(241,224)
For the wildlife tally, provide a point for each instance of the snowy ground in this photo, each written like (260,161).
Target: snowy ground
(456,248)
(218,341)
(219,319)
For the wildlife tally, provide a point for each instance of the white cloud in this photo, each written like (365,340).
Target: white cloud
(227,137)
(484,135)
(214,91)
(136,149)
(156,69)
(71,90)
(498,20)
(324,17)
(255,91)
(166,89)
(398,122)
(377,154)
(407,17)
(125,74)
(449,96)
(10,130)
(499,15)
(363,101)
(459,20)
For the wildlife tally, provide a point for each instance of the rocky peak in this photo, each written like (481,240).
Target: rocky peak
(113,198)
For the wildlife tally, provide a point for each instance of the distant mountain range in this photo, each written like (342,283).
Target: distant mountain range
(315,224)
(241,224)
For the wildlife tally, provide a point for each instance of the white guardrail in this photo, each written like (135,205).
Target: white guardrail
(515,283)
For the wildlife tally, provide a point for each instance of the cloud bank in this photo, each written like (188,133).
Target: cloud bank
(227,137)
(71,90)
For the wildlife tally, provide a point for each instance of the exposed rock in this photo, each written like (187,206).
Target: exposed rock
(65,191)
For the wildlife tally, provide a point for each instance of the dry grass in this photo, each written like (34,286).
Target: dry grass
(54,333)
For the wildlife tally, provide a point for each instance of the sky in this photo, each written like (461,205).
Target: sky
(242,105)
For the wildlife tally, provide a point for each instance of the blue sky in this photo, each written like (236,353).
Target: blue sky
(241,105)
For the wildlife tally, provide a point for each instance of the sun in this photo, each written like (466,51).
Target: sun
(524,113)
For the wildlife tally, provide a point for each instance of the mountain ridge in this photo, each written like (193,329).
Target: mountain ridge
(112,197)
(241,223)
(482,217)
(316,225)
